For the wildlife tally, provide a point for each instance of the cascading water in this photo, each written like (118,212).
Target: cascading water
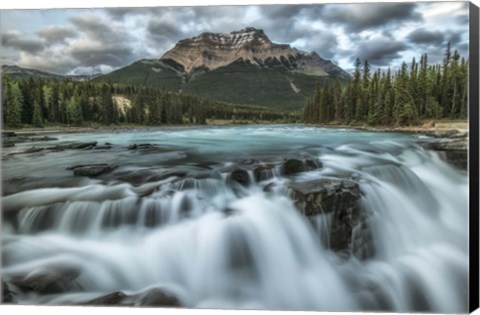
(214,243)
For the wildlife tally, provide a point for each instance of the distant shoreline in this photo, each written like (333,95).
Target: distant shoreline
(427,128)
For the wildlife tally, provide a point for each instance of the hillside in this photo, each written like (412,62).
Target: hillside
(242,67)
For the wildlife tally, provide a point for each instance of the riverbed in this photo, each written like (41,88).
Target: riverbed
(220,217)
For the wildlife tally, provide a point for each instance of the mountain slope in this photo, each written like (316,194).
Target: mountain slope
(243,67)
(19,73)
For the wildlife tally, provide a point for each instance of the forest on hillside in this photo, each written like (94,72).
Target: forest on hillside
(40,102)
(414,92)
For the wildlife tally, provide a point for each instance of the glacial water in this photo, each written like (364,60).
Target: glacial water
(214,243)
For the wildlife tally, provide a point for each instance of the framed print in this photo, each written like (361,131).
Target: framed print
(289,157)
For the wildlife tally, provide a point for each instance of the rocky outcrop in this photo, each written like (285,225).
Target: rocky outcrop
(7,294)
(210,51)
(153,297)
(453,146)
(341,200)
(92,170)
(47,281)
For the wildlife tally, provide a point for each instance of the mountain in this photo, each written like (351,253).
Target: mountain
(17,73)
(243,67)
(210,51)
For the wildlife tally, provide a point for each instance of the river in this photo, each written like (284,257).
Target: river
(182,225)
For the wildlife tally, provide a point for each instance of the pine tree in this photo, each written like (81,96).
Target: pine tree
(13,105)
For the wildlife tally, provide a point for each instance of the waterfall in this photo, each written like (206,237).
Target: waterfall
(215,244)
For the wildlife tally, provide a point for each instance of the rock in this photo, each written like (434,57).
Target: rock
(453,149)
(47,281)
(73,146)
(8,134)
(92,169)
(292,166)
(82,145)
(269,187)
(7,144)
(158,297)
(262,172)
(103,147)
(7,294)
(337,197)
(142,146)
(240,176)
(114,298)
(324,195)
(33,150)
(298,165)
(44,138)
(108,143)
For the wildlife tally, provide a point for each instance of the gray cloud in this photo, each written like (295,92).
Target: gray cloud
(92,55)
(359,17)
(14,40)
(162,32)
(380,51)
(97,29)
(423,36)
(56,34)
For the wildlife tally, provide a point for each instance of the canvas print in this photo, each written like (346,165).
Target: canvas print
(281,157)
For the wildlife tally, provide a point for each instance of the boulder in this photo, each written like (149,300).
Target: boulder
(324,195)
(73,146)
(454,149)
(297,165)
(292,166)
(262,172)
(132,147)
(114,298)
(339,198)
(47,281)
(7,294)
(240,176)
(92,170)
(158,297)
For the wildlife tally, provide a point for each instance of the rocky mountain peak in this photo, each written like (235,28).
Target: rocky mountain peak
(209,51)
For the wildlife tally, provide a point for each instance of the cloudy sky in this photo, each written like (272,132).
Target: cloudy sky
(82,41)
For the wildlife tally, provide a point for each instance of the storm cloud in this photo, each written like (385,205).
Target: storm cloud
(423,36)
(82,41)
(359,17)
(17,41)
(380,51)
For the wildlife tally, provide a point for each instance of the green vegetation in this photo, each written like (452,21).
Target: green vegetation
(41,102)
(238,83)
(244,83)
(420,91)
(148,73)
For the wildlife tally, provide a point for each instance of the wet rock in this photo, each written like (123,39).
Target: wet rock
(453,149)
(103,147)
(33,150)
(114,298)
(44,138)
(297,165)
(47,281)
(92,170)
(324,195)
(73,146)
(269,187)
(292,166)
(8,134)
(240,176)
(262,172)
(7,294)
(8,144)
(132,147)
(340,199)
(158,297)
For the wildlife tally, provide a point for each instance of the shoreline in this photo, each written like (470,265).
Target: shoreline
(427,129)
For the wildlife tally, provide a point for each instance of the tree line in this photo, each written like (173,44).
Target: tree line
(39,102)
(414,92)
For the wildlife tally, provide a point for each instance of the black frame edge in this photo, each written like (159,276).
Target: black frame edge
(473,157)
